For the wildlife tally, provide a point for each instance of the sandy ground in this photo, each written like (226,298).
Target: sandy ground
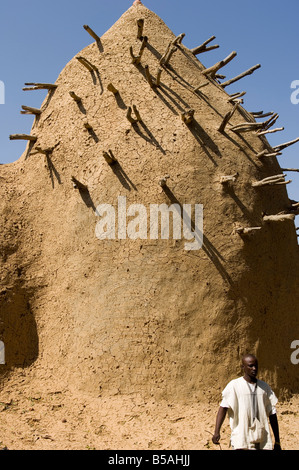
(53,419)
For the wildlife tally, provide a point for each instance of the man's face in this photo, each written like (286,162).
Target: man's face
(250,366)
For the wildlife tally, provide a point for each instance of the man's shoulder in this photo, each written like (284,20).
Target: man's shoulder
(234,382)
(263,385)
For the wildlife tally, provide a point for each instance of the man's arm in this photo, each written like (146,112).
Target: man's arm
(219,421)
(275,428)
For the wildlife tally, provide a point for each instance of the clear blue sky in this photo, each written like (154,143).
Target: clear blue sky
(38,38)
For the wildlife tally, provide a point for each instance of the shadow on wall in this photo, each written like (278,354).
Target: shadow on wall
(18,329)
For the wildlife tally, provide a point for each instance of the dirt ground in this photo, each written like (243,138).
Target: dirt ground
(49,418)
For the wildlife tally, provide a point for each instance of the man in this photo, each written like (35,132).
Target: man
(250,403)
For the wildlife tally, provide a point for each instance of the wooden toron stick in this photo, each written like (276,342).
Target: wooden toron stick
(279,217)
(246,230)
(236,96)
(130,117)
(87,64)
(112,88)
(179,39)
(242,75)
(214,69)
(78,185)
(278,129)
(137,59)
(140,26)
(28,110)
(291,169)
(271,180)
(92,33)
(163,181)
(278,148)
(31,138)
(203,47)
(170,50)
(199,87)
(188,116)
(227,117)
(109,157)
(75,97)
(158,79)
(148,76)
(40,86)
(265,153)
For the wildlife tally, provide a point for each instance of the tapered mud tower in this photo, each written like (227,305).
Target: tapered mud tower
(135,118)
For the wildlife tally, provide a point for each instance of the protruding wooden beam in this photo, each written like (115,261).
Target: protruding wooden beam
(279,217)
(188,116)
(246,230)
(203,47)
(278,129)
(148,76)
(260,126)
(271,181)
(31,138)
(235,96)
(169,55)
(199,87)
(211,71)
(179,39)
(158,79)
(270,122)
(90,67)
(46,151)
(261,114)
(92,33)
(227,117)
(28,110)
(291,169)
(171,49)
(278,148)
(40,86)
(130,117)
(87,125)
(140,26)
(112,88)
(242,75)
(75,97)
(137,59)
(163,181)
(137,115)
(247,127)
(228,179)
(265,153)
(109,157)
(78,185)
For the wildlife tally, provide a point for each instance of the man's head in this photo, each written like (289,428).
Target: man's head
(250,367)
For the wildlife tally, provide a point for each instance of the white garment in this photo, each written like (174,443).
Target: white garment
(238,398)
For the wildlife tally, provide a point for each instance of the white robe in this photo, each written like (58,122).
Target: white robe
(237,397)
